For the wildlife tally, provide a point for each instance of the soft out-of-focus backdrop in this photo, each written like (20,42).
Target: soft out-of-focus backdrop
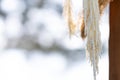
(35,44)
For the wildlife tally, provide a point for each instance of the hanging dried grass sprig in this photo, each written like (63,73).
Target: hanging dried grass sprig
(89,27)
(68,14)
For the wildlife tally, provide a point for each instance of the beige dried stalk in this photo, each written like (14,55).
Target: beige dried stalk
(68,14)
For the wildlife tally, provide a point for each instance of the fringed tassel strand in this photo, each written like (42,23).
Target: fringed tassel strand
(68,14)
(91,20)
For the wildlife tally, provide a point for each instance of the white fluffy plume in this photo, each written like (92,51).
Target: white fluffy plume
(91,20)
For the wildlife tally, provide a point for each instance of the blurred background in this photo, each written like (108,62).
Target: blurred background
(35,43)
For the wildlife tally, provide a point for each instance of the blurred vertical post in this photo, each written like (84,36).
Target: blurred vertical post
(114,42)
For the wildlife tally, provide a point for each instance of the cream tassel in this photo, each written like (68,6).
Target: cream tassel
(91,20)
